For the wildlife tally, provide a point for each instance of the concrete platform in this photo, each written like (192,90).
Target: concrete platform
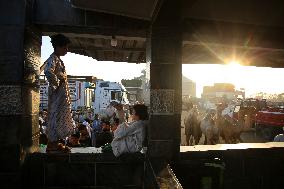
(225,166)
(231,166)
(83,168)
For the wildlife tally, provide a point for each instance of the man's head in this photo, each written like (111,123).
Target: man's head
(83,129)
(96,116)
(106,125)
(74,139)
(60,44)
(140,112)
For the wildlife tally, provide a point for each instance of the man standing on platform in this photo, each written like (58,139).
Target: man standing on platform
(60,121)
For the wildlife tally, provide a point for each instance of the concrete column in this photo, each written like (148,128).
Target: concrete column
(164,60)
(30,89)
(19,94)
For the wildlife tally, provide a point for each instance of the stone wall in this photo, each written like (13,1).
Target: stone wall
(231,168)
(19,96)
(84,170)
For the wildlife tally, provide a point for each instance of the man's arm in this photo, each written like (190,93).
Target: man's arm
(124,129)
(50,73)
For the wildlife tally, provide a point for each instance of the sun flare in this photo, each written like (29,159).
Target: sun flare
(234,63)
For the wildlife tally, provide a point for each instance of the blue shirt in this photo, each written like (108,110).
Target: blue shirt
(97,126)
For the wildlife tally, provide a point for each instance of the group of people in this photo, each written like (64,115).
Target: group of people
(64,129)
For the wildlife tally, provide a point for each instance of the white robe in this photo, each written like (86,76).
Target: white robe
(60,121)
(128,138)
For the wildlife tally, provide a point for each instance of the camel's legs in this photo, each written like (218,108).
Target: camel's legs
(187,140)
(205,140)
(191,140)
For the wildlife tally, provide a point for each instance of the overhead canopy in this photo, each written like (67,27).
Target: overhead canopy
(124,49)
(131,8)
(213,31)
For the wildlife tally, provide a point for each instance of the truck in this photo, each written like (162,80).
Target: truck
(106,92)
(269,122)
(81,92)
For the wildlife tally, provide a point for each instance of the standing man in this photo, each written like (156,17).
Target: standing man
(60,121)
(119,112)
(96,128)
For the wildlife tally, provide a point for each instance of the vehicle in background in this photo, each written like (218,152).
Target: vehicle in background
(81,90)
(250,107)
(107,92)
(266,121)
(269,122)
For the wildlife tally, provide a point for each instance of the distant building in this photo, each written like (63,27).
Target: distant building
(188,87)
(222,90)
(81,91)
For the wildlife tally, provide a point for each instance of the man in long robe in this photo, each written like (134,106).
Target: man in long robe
(60,121)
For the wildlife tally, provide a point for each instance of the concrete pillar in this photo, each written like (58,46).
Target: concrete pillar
(164,65)
(19,93)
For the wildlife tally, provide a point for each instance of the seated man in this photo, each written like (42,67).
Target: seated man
(85,138)
(129,138)
(105,136)
(73,140)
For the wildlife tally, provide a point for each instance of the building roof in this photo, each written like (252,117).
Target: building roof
(213,31)
(185,79)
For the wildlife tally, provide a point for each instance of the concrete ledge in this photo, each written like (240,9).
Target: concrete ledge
(231,166)
(83,170)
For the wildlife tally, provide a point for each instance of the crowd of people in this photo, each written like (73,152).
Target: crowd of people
(110,127)
(62,129)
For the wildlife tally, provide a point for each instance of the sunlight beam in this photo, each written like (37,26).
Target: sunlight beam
(233,63)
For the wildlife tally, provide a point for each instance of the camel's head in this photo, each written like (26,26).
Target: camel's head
(220,107)
(195,108)
(210,113)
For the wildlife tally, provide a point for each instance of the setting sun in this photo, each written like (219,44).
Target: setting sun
(234,63)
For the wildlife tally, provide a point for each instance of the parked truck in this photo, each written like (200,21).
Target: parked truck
(106,92)
(269,122)
(81,92)
(268,119)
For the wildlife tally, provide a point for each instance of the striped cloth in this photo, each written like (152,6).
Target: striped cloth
(60,121)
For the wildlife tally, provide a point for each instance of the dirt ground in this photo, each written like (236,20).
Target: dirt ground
(247,137)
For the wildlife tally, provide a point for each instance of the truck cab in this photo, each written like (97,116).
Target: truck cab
(106,92)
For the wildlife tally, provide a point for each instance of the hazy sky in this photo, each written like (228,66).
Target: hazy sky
(269,80)
(253,79)
(86,66)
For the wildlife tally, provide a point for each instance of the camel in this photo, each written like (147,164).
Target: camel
(192,127)
(230,130)
(209,129)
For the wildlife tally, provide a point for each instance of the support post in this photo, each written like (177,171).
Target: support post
(164,48)
(19,92)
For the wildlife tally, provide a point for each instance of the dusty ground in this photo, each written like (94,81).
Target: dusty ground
(247,137)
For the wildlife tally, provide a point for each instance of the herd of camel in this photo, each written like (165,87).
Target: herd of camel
(213,125)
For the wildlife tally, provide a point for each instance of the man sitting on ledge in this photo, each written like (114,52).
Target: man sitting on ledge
(128,138)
